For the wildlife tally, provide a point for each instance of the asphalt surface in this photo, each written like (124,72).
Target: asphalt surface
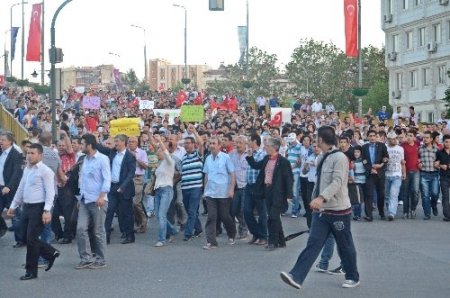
(404,258)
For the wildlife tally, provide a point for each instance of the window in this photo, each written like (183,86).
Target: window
(437,33)
(395,44)
(430,117)
(426,76)
(421,37)
(409,40)
(398,81)
(418,2)
(405,4)
(413,79)
(441,74)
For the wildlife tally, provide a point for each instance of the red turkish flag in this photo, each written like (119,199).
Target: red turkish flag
(351,27)
(181,98)
(2,80)
(34,36)
(277,119)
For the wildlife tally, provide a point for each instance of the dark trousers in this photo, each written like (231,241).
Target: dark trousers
(410,191)
(321,227)
(219,206)
(309,187)
(276,234)
(374,182)
(445,185)
(258,228)
(33,225)
(3,204)
(64,204)
(124,207)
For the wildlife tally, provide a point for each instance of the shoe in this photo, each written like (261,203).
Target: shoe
(294,216)
(243,237)
(51,261)
(435,211)
(171,239)
(261,242)
(439,201)
(123,236)
(356,218)
(19,244)
(127,241)
(11,229)
(413,214)
(337,271)
(320,269)
(390,217)
(84,265)
(231,241)
(253,240)
(382,217)
(3,232)
(350,284)
(96,265)
(289,279)
(187,238)
(42,264)
(65,241)
(405,216)
(427,217)
(198,234)
(108,239)
(270,247)
(368,219)
(159,244)
(28,276)
(400,203)
(446,219)
(209,246)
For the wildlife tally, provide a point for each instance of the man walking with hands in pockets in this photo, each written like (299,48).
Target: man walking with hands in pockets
(331,214)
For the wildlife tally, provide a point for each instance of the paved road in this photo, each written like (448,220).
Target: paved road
(404,258)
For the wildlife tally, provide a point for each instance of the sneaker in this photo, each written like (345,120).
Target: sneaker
(84,265)
(198,234)
(159,244)
(338,271)
(97,265)
(427,217)
(187,238)
(390,217)
(289,279)
(231,241)
(357,218)
(435,211)
(350,284)
(439,201)
(400,203)
(405,216)
(413,214)
(209,246)
(42,264)
(171,239)
(320,269)
(294,216)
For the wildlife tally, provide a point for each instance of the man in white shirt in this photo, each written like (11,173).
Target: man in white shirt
(397,115)
(395,173)
(316,106)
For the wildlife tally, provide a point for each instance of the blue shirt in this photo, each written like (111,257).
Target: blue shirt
(116,165)
(252,174)
(95,177)
(372,153)
(383,116)
(218,169)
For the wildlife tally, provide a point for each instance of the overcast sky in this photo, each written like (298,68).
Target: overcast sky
(87,30)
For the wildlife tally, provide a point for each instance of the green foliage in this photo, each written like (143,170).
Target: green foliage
(41,89)
(11,79)
(447,97)
(131,79)
(177,87)
(22,83)
(377,97)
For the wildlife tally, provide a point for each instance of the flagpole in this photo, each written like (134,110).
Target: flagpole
(23,38)
(42,45)
(360,78)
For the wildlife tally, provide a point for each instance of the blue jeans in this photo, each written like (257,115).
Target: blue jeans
(163,197)
(258,228)
(327,252)
(429,184)
(410,191)
(237,211)
(321,227)
(191,201)
(296,207)
(46,236)
(392,190)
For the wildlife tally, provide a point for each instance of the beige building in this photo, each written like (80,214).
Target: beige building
(164,75)
(92,77)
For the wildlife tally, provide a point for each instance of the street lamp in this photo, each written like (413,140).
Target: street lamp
(10,27)
(145,51)
(185,80)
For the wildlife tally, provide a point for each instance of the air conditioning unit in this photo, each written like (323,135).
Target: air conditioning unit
(432,47)
(443,2)
(392,56)
(388,18)
(397,94)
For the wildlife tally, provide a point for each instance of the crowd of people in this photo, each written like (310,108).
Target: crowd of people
(244,172)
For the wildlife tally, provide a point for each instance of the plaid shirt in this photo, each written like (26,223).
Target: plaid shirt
(252,174)
(427,158)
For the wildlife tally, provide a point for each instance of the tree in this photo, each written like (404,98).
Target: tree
(131,79)
(447,96)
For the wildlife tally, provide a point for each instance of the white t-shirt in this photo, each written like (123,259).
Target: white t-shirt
(394,166)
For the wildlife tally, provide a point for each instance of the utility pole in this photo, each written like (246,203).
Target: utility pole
(23,38)
(360,66)
(43,45)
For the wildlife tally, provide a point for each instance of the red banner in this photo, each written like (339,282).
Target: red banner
(277,119)
(351,27)
(181,98)
(34,36)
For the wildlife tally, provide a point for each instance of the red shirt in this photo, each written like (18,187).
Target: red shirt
(67,161)
(91,123)
(411,153)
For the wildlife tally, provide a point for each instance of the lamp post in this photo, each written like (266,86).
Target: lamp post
(42,43)
(23,39)
(145,51)
(185,40)
(360,65)
(53,61)
(10,27)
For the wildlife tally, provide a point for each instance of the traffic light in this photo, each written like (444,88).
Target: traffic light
(216,5)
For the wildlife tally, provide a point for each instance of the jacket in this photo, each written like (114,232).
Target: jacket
(12,172)
(380,155)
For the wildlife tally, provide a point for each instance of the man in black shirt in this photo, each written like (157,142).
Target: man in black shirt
(443,157)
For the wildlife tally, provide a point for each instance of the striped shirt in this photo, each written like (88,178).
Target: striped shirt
(252,174)
(191,171)
(294,155)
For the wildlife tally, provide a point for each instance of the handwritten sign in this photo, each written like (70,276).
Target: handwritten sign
(192,113)
(146,104)
(91,102)
(172,113)
(127,126)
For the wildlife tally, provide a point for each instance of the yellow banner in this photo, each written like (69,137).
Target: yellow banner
(127,126)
